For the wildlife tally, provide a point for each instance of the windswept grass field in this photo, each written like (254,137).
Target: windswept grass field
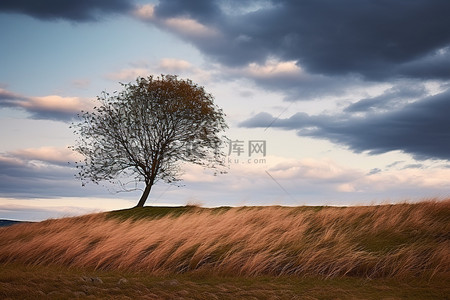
(365,252)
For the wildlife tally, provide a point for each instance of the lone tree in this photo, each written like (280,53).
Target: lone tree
(147,130)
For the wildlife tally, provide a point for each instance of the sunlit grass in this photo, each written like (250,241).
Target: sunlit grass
(400,242)
(371,241)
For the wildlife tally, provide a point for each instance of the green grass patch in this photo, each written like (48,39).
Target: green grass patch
(50,282)
(385,241)
(158,212)
(149,212)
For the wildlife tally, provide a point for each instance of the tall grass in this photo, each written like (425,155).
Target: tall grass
(370,241)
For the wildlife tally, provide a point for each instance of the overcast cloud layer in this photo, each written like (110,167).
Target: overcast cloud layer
(308,50)
(79,10)
(419,128)
(376,39)
(51,107)
(312,49)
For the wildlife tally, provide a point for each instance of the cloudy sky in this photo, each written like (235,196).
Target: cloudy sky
(351,98)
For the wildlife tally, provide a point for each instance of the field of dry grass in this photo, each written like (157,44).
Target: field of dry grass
(398,242)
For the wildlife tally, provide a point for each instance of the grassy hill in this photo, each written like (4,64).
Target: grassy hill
(367,251)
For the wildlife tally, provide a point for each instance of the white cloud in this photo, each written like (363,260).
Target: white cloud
(437,178)
(54,155)
(145,12)
(346,188)
(184,26)
(273,68)
(258,173)
(47,107)
(314,169)
(174,65)
(321,177)
(189,27)
(57,103)
(196,173)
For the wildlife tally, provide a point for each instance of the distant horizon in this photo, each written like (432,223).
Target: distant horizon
(218,206)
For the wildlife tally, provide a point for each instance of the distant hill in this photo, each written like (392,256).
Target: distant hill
(4,223)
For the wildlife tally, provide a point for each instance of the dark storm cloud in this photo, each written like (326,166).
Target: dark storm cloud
(202,10)
(305,87)
(24,178)
(42,113)
(375,39)
(9,99)
(419,128)
(49,114)
(19,178)
(392,98)
(78,10)
(433,66)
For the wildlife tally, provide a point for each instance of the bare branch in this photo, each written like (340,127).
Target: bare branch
(147,129)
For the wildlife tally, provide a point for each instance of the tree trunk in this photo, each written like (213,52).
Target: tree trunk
(144,196)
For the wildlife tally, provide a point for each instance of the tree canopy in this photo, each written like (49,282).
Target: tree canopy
(145,131)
